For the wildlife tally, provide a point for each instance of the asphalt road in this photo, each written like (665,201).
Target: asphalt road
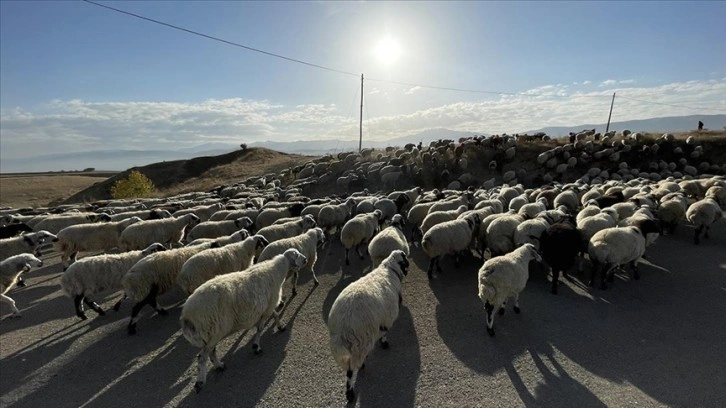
(660,341)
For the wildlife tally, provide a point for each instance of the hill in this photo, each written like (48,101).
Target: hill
(199,173)
(663,125)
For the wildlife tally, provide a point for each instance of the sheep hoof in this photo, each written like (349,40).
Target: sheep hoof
(198,386)
(82,316)
(281,328)
(363,366)
(347,262)
(501,311)
(490,331)
(350,395)
(317,282)
(221,367)
(162,312)
(294,292)
(517,310)
(385,345)
(20,284)
(101,312)
(257,348)
(281,304)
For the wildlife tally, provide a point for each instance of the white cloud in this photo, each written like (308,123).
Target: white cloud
(608,82)
(626,81)
(586,82)
(412,90)
(72,125)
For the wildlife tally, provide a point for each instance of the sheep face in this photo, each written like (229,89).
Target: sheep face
(533,251)
(39,237)
(295,258)
(398,261)
(308,222)
(321,237)
(244,222)
(261,243)
(32,262)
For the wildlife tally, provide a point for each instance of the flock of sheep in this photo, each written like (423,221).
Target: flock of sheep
(231,250)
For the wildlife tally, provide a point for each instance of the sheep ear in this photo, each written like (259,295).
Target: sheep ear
(470,222)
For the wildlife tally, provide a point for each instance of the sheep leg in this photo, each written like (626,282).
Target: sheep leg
(705,235)
(350,385)
(202,358)
(517,310)
(456,260)
(502,307)
(555,280)
(280,327)
(384,339)
(216,362)
(77,301)
(93,305)
(151,297)
(11,302)
(438,264)
(294,283)
(431,267)
(634,268)
(347,261)
(606,272)
(74,257)
(256,340)
(696,237)
(315,278)
(360,254)
(20,282)
(489,308)
(117,305)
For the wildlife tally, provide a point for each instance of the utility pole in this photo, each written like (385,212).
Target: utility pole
(607,129)
(360,139)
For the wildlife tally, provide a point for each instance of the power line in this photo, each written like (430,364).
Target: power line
(339,71)
(186,30)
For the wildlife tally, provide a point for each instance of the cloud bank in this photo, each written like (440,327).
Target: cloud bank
(75,125)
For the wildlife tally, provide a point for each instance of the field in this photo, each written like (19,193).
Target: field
(39,189)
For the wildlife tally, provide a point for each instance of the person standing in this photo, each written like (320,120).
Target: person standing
(700,125)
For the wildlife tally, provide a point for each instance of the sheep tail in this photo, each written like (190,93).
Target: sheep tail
(190,333)
(340,351)
(487,292)
(426,243)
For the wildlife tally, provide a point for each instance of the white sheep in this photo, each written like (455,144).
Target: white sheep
(23,243)
(500,234)
(702,214)
(203,212)
(307,243)
(269,215)
(530,231)
(237,236)
(154,275)
(613,247)
(569,199)
(154,214)
(450,237)
(503,277)
(233,302)
(437,217)
(287,230)
(363,313)
(332,217)
(531,210)
(99,273)
(387,241)
(55,223)
(166,231)
(205,265)
(10,270)
(89,237)
(359,231)
(216,229)
(221,215)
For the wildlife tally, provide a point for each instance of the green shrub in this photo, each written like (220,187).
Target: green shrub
(136,185)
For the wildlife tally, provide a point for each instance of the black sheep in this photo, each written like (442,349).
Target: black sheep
(560,245)
(11,230)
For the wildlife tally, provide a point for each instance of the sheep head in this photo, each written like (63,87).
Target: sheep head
(296,259)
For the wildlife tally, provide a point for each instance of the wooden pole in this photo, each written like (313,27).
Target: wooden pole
(360,126)
(607,129)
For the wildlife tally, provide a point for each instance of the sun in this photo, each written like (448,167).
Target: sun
(388,50)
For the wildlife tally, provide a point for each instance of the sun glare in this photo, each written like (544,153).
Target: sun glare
(388,51)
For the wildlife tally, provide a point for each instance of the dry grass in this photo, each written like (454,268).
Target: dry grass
(39,190)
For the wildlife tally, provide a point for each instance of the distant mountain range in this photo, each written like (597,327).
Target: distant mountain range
(124,159)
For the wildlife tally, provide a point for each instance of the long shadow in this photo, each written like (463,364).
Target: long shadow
(391,376)
(104,352)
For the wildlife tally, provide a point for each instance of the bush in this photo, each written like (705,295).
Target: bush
(136,185)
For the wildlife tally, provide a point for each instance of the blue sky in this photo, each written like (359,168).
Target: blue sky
(74,76)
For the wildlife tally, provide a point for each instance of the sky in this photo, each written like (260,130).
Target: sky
(78,77)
